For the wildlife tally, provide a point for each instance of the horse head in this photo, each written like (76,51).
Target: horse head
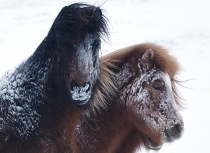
(76,34)
(150,99)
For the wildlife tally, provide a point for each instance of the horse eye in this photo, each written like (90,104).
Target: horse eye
(96,44)
(157,87)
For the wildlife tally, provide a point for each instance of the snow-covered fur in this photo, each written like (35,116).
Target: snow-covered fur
(40,101)
(142,108)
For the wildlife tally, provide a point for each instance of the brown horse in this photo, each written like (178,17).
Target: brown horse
(141,103)
(40,101)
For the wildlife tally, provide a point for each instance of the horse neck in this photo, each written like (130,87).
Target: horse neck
(21,92)
(111,119)
(114,113)
(105,130)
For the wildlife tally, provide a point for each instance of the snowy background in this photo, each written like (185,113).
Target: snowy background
(183,26)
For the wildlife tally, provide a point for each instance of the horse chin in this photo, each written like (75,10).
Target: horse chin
(150,144)
(81,104)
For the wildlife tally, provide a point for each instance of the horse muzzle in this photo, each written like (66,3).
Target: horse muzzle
(80,94)
(170,134)
(173,133)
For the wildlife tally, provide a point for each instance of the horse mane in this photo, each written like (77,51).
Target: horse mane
(112,62)
(106,88)
(70,24)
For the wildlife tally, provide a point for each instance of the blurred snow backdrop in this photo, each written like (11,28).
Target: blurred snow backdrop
(183,26)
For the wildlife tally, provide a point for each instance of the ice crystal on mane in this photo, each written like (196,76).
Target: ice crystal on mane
(21,92)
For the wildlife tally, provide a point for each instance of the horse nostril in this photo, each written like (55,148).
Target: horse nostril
(82,86)
(178,128)
(173,132)
(73,85)
(86,86)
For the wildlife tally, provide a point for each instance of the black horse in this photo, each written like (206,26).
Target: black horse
(40,101)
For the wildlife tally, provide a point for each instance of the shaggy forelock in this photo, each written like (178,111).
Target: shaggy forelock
(75,20)
(169,64)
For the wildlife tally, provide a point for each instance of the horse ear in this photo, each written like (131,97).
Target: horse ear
(146,62)
(148,55)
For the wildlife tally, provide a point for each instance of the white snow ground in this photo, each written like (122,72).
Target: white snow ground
(181,26)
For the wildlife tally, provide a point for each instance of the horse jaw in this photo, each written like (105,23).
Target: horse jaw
(150,144)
